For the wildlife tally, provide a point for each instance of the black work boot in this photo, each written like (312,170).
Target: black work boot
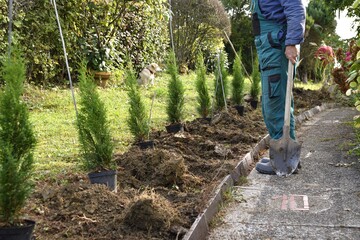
(265,168)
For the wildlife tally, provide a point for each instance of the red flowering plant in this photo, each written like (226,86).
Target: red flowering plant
(325,59)
(345,60)
(325,54)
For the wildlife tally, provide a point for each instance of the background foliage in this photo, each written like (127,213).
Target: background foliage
(320,23)
(198,25)
(102,31)
(241,32)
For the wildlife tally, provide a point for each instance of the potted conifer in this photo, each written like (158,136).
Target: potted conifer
(17,142)
(175,103)
(94,133)
(138,120)
(238,85)
(221,82)
(203,98)
(255,84)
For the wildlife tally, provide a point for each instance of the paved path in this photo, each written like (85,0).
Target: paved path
(321,202)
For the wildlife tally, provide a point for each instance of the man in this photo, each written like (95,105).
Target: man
(278,26)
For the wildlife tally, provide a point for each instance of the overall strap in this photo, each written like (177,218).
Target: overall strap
(261,25)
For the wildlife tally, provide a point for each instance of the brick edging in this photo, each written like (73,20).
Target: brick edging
(200,228)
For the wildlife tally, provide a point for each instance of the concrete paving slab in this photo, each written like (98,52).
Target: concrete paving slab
(321,202)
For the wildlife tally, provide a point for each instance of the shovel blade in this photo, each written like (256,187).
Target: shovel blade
(284,155)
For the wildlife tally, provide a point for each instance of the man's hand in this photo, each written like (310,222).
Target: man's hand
(291,53)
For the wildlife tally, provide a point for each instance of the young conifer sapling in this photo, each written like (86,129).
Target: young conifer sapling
(255,81)
(17,142)
(221,82)
(138,119)
(203,98)
(175,103)
(93,128)
(238,81)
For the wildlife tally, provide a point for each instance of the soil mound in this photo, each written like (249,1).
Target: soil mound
(151,212)
(182,171)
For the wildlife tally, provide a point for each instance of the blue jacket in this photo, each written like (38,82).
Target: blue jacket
(290,12)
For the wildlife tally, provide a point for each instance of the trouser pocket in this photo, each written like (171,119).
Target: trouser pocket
(274,83)
(270,50)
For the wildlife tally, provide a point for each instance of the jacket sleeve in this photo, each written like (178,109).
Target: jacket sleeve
(295,13)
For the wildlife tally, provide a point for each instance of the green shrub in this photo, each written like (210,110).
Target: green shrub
(138,120)
(17,141)
(238,81)
(93,128)
(255,81)
(175,104)
(203,97)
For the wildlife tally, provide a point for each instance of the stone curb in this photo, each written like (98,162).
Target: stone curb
(200,228)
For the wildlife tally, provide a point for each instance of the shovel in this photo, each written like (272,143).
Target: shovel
(285,152)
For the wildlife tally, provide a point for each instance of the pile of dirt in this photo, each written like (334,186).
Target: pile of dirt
(161,191)
(151,211)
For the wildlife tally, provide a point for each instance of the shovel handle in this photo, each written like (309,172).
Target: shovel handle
(289,86)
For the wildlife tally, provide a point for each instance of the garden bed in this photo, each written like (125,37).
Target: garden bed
(161,191)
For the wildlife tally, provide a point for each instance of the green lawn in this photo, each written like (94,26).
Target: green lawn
(53,115)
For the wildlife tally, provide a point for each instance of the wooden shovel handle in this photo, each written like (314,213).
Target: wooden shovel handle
(289,86)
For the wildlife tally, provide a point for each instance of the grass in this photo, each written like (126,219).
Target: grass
(227,198)
(53,115)
(308,86)
(242,181)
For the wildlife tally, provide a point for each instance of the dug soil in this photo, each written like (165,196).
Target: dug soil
(161,191)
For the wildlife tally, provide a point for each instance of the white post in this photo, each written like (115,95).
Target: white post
(65,55)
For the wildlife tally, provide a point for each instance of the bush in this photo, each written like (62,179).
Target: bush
(138,120)
(203,97)
(238,81)
(93,129)
(175,104)
(17,142)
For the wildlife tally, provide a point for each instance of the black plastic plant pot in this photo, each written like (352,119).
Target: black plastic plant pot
(240,109)
(204,120)
(107,178)
(254,104)
(174,128)
(23,232)
(207,119)
(146,144)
